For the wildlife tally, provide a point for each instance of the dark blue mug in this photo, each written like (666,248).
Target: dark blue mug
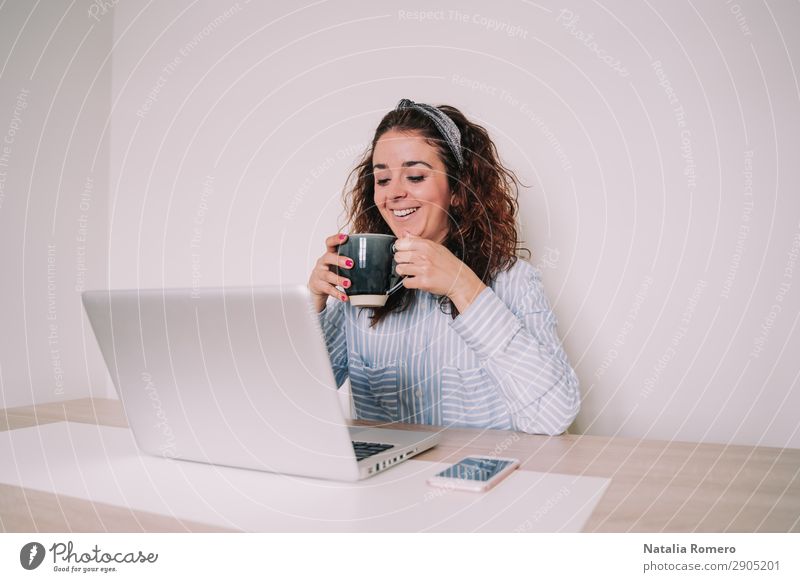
(372,276)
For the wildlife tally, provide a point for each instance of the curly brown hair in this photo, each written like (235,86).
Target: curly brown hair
(483,206)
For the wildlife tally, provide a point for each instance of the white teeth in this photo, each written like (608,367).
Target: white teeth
(404,212)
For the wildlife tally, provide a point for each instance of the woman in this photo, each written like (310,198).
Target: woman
(470,340)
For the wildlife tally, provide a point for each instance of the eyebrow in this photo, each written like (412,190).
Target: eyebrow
(404,164)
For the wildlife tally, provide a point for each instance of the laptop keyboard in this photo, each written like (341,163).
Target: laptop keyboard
(364,450)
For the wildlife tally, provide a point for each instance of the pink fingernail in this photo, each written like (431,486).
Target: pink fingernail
(344,297)
(342,236)
(345,283)
(349,263)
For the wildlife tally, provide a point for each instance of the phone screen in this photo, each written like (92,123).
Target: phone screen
(475,469)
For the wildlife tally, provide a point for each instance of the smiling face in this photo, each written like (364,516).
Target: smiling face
(411,189)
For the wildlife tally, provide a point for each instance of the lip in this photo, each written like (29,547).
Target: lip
(403,218)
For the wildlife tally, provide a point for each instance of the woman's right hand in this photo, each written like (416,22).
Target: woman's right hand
(323,280)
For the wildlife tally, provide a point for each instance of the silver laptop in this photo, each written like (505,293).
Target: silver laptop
(237,377)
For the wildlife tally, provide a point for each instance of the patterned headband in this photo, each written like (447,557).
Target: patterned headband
(443,123)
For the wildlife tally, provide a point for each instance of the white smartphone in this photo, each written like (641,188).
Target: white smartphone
(475,473)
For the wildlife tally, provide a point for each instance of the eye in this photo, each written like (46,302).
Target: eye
(382,181)
(416,179)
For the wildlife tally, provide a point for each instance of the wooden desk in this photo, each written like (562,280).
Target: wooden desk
(655,485)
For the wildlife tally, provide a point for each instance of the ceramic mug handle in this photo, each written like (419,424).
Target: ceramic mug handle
(399,284)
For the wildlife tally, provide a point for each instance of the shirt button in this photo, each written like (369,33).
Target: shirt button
(418,393)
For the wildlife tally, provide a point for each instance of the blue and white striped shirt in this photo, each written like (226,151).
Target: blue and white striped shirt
(498,365)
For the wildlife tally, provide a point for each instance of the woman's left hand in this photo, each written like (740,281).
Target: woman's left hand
(431,267)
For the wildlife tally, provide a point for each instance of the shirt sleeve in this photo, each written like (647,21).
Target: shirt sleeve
(332,321)
(516,342)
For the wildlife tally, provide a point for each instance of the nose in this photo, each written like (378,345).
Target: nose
(399,191)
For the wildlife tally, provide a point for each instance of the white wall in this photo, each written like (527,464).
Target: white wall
(659,141)
(55,79)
